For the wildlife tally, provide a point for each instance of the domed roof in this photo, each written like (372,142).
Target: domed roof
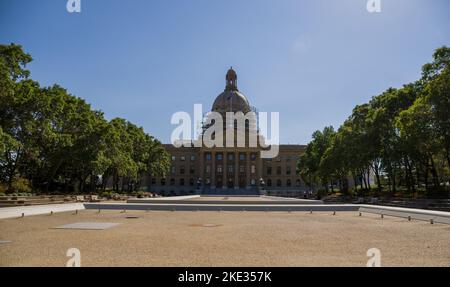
(231,99)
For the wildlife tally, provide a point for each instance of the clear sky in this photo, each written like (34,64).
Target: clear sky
(310,60)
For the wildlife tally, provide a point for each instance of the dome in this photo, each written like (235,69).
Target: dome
(231,99)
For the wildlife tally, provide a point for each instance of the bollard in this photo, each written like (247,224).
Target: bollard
(334,212)
(310,212)
(99,211)
(382,215)
(23,215)
(409,218)
(431,221)
(51,212)
(360,214)
(76,211)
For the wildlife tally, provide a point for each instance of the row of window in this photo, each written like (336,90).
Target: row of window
(183,158)
(230,167)
(192,182)
(231,156)
(288,170)
(219,157)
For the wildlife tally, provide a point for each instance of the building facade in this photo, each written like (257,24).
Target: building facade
(224,170)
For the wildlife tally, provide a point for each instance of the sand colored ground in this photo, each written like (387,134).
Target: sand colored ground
(224,239)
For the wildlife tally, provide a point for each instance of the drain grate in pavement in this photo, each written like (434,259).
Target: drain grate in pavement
(88,225)
(205,225)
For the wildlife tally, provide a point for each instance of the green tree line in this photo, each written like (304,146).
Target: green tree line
(400,139)
(53,141)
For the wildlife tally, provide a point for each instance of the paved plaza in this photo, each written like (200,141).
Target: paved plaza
(166,238)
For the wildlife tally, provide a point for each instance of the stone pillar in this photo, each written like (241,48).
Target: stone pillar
(248,170)
(201,168)
(236,170)
(224,171)
(258,166)
(213,170)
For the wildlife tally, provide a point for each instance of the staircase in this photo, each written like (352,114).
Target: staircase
(230,192)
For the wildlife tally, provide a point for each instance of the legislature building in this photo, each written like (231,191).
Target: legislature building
(230,170)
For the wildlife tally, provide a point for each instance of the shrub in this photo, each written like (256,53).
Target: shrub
(21,185)
(106,194)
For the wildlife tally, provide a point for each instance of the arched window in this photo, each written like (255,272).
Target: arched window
(279,182)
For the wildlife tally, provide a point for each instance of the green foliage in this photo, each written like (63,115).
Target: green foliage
(57,142)
(21,186)
(402,137)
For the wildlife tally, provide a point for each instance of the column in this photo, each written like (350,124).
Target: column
(248,170)
(236,170)
(224,171)
(201,169)
(258,165)
(213,170)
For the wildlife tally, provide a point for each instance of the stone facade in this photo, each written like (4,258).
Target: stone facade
(225,170)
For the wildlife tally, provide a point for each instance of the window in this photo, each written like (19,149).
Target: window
(191,169)
(269,182)
(242,156)
(279,182)
(192,157)
(208,169)
(253,156)
(288,170)
(182,168)
(253,181)
(191,181)
(219,169)
(242,169)
(253,169)
(230,168)
(278,170)
(208,156)
(182,158)
(181,181)
(174,158)
(269,170)
(153,180)
(173,170)
(219,156)
(288,183)
(172,181)
(163,181)
(231,156)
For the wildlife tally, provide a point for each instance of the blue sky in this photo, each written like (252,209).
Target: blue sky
(310,60)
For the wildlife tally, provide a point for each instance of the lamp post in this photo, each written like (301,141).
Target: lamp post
(199,184)
(262,184)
